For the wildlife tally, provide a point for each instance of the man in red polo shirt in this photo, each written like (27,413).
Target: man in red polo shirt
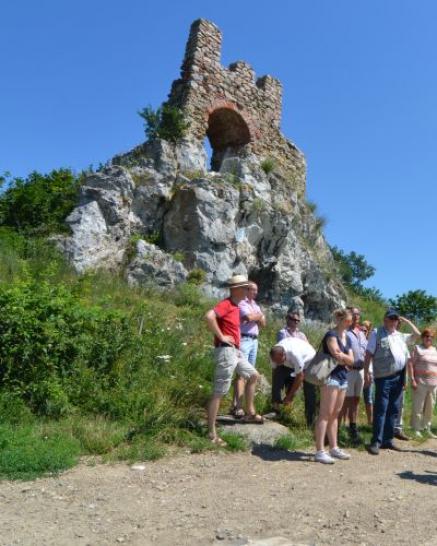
(224,322)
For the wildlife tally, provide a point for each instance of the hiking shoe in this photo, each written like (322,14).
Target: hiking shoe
(339,454)
(418,434)
(430,433)
(373,449)
(324,458)
(400,435)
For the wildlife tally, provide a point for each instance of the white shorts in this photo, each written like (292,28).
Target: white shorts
(355,383)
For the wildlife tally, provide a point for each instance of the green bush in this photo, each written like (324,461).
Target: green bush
(49,338)
(268,165)
(196,276)
(39,204)
(167,122)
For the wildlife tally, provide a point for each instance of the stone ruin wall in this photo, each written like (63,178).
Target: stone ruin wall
(239,113)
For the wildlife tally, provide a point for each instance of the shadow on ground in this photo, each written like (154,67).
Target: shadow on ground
(268,453)
(430,478)
(426,452)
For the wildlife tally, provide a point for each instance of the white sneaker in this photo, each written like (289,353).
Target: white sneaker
(430,433)
(339,454)
(324,458)
(418,434)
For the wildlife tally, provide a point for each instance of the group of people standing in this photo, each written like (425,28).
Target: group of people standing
(369,362)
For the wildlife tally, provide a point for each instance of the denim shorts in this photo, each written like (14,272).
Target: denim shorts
(337,383)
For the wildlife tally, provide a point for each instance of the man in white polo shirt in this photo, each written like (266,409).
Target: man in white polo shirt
(288,359)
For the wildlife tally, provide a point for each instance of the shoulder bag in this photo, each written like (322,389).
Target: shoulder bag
(320,367)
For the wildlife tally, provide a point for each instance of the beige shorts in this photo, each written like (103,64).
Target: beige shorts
(228,360)
(355,383)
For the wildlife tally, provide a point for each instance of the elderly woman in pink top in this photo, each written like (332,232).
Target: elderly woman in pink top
(423,372)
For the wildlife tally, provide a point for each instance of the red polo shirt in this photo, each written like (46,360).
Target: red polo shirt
(228,318)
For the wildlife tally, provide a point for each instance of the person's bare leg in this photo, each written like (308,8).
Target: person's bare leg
(344,413)
(239,387)
(213,407)
(353,409)
(327,402)
(250,393)
(338,397)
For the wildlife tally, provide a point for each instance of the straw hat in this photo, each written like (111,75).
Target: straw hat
(238,280)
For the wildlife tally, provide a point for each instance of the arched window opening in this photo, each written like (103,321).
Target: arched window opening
(227,133)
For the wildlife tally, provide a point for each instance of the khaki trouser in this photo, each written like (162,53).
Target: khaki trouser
(423,406)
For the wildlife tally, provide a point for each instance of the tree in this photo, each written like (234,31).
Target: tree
(39,204)
(416,305)
(354,268)
(166,122)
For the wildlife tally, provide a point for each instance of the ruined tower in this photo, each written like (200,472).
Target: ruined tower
(239,113)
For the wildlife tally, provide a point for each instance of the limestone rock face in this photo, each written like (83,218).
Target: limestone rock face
(238,220)
(153,266)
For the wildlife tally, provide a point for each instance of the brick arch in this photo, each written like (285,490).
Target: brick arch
(235,114)
(228,128)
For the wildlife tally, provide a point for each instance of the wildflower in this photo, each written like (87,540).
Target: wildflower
(164,358)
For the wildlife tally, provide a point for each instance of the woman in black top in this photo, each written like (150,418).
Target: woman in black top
(337,344)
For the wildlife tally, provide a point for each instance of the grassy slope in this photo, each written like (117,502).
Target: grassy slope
(152,396)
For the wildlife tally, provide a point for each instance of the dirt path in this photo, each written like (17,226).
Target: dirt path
(230,498)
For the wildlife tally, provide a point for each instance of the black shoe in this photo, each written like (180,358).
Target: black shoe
(373,449)
(392,446)
(400,435)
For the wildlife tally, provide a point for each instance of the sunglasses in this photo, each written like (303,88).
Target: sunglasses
(293,319)
(428,337)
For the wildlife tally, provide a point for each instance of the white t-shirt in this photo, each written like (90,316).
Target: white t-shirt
(298,353)
(398,347)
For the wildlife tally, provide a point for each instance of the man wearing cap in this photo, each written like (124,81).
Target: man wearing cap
(251,320)
(224,322)
(389,353)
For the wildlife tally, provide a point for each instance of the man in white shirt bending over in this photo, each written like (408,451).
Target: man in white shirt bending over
(288,359)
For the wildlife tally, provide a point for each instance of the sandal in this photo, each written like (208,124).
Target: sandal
(217,441)
(253,419)
(238,413)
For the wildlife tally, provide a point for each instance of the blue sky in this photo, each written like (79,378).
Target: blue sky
(360,100)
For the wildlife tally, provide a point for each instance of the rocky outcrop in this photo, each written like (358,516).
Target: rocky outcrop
(248,215)
(148,207)
(155,267)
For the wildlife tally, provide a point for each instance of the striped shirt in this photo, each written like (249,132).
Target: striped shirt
(424,363)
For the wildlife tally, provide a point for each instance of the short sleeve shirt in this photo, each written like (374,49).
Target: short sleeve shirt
(358,344)
(339,372)
(246,308)
(398,346)
(298,353)
(228,319)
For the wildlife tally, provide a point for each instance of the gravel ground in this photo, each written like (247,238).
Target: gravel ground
(229,499)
